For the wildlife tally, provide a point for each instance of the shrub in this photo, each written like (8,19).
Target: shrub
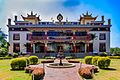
(94,60)
(69,57)
(88,59)
(49,57)
(103,54)
(18,63)
(27,60)
(114,57)
(36,71)
(3,52)
(85,73)
(33,59)
(103,62)
(15,55)
(38,74)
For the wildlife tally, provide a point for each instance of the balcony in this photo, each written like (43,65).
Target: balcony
(38,38)
(53,38)
(59,37)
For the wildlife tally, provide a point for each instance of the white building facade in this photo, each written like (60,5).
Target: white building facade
(33,36)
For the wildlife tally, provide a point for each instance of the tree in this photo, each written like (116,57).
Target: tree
(4,45)
(115,51)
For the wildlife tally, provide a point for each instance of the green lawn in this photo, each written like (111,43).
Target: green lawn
(113,74)
(7,74)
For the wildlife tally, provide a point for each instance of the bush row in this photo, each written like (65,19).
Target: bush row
(114,57)
(21,63)
(49,57)
(102,62)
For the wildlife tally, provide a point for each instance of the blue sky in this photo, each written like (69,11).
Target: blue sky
(70,9)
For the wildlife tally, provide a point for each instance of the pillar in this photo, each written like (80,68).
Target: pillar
(73,35)
(74,47)
(86,48)
(33,48)
(46,37)
(45,47)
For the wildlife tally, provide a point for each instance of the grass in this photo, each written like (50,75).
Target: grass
(113,73)
(6,74)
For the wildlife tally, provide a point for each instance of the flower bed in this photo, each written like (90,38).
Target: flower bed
(87,72)
(37,72)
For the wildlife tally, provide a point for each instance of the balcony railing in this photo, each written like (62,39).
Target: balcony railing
(88,37)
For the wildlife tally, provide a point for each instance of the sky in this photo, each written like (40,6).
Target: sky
(70,9)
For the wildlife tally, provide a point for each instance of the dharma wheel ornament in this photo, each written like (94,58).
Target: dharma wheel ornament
(59,17)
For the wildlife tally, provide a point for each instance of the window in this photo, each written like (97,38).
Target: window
(28,37)
(28,47)
(102,47)
(102,36)
(16,47)
(88,23)
(16,36)
(38,33)
(90,47)
(54,33)
(80,33)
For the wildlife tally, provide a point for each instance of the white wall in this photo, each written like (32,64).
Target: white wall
(96,41)
(22,41)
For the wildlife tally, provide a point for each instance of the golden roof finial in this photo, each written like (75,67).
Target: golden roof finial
(31,12)
(87,13)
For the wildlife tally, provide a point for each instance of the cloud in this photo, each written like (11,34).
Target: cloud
(71,3)
(46,9)
(71,9)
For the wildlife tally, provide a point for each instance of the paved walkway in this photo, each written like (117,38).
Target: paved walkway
(61,73)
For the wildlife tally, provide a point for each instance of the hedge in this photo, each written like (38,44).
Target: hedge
(33,59)
(114,57)
(103,62)
(94,60)
(88,59)
(104,54)
(49,57)
(27,60)
(18,63)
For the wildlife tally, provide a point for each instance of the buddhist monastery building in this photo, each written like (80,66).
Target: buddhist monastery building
(34,36)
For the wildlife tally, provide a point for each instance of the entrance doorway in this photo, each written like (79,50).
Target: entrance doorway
(80,47)
(39,47)
(59,48)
